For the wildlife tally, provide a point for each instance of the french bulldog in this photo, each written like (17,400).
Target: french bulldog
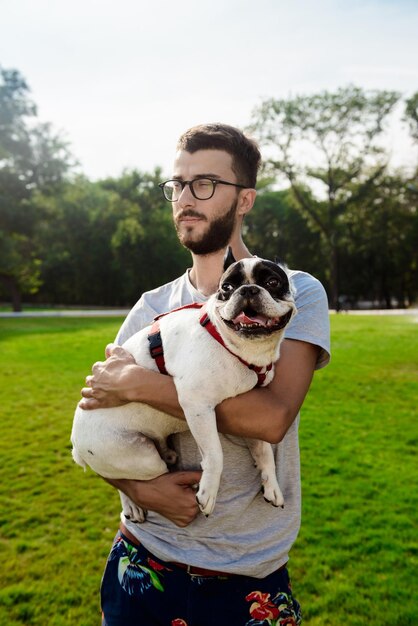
(212,355)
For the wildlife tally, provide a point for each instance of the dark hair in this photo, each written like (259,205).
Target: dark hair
(246,157)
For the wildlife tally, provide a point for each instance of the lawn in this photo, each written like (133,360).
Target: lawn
(355,560)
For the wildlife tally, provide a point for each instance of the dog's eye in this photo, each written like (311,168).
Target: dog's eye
(226,287)
(272,283)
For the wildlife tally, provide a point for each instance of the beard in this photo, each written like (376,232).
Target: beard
(216,237)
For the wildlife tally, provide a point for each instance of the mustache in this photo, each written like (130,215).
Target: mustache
(190,213)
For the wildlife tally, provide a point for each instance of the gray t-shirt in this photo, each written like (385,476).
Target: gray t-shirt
(244,534)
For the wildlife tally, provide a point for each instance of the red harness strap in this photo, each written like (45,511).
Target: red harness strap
(211,328)
(154,336)
(157,350)
(156,346)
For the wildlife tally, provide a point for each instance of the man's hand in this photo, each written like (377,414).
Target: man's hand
(112,381)
(171,495)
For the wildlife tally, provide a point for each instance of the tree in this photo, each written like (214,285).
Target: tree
(327,147)
(379,246)
(15,108)
(156,256)
(411,114)
(105,242)
(74,241)
(289,240)
(32,158)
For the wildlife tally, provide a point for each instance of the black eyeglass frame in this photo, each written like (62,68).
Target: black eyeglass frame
(183,183)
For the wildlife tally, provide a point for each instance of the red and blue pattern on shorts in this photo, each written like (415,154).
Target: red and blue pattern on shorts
(138,589)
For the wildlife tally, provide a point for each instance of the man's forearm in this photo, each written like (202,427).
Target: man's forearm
(256,414)
(262,413)
(158,391)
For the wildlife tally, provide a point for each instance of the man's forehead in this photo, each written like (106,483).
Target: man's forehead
(214,162)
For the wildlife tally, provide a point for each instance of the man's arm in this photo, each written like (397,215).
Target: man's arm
(263,413)
(268,412)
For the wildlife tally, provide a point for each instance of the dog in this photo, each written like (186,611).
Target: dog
(213,352)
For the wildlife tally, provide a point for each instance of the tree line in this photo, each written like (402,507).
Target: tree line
(327,203)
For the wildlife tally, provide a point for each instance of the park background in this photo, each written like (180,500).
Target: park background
(93,97)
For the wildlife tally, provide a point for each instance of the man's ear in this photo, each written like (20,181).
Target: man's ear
(246,201)
(228,258)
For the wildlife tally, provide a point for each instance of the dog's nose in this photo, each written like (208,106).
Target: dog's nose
(249,290)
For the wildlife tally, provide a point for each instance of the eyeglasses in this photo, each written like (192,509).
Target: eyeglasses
(201,188)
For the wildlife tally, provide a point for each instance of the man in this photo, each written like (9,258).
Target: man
(180,568)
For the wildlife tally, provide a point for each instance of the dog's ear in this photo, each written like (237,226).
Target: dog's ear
(228,258)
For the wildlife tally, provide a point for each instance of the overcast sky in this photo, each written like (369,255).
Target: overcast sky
(123,79)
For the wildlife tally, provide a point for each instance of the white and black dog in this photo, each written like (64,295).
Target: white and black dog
(213,352)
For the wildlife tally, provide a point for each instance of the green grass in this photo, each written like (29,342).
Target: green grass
(355,559)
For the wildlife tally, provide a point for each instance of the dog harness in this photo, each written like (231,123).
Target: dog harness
(157,350)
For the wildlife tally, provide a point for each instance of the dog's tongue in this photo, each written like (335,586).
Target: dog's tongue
(242,318)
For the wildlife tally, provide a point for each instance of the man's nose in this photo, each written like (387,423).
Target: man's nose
(186,198)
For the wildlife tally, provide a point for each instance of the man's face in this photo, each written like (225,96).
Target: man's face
(205,226)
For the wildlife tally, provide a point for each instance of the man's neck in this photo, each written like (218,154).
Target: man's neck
(207,269)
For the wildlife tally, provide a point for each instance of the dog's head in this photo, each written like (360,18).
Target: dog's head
(255,299)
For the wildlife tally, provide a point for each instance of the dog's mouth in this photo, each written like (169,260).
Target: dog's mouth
(252,322)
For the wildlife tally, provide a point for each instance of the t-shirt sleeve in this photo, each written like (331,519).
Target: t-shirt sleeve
(311,324)
(140,315)
(152,303)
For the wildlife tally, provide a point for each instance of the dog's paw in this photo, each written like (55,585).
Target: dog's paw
(272,492)
(206,501)
(138,516)
(208,490)
(132,512)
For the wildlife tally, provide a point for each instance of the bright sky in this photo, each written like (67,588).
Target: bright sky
(123,79)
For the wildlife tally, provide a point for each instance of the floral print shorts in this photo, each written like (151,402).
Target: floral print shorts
(138,589)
